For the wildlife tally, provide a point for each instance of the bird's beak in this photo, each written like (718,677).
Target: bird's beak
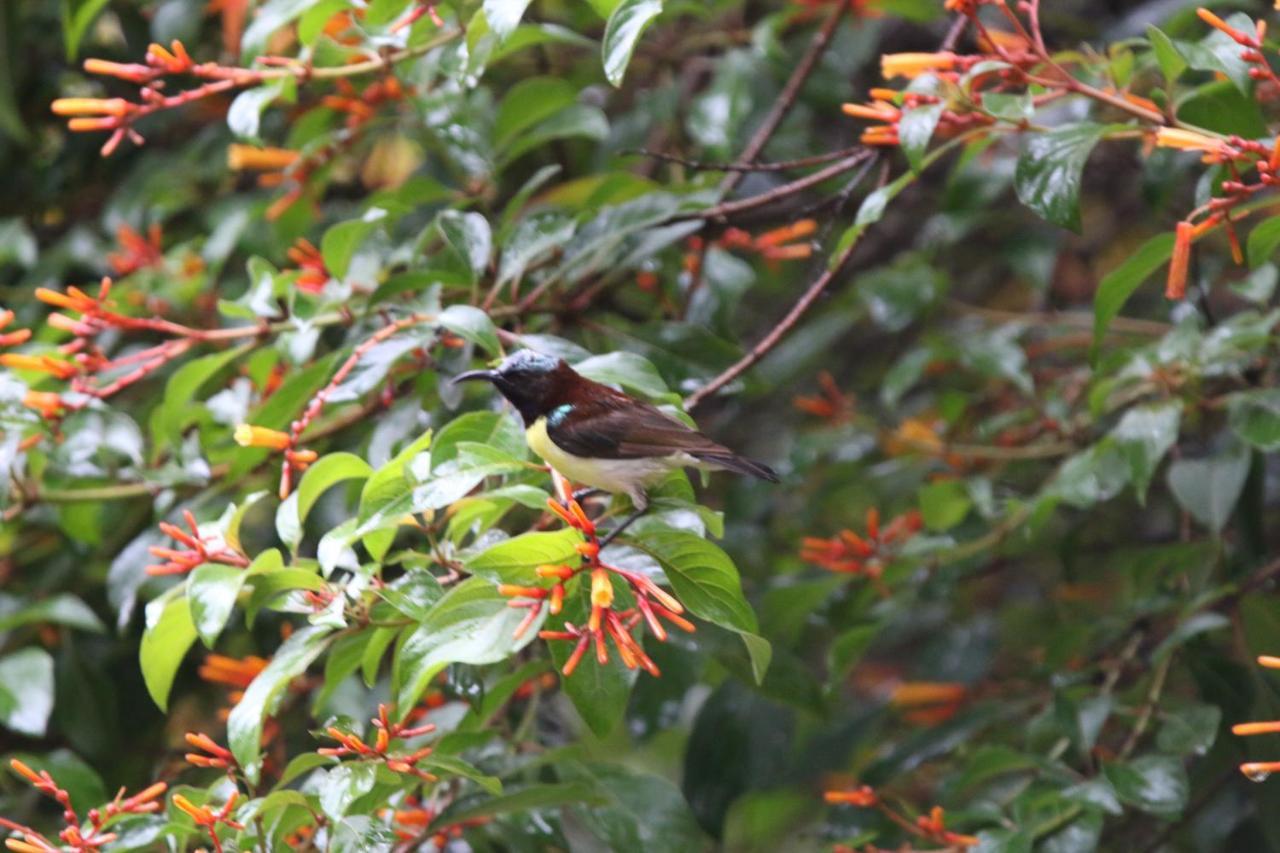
(473,375)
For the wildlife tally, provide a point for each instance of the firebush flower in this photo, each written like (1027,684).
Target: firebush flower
(353,745)
(136,252)
(606,624)
(313,275)
(197,550)
(868,554)
(1258,771)
(207,819)
(76,834)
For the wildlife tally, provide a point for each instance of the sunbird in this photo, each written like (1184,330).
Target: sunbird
(602,438)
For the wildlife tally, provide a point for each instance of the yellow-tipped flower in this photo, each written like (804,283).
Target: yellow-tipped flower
(248,435)
(199,814)
(914,64)
(90,106)
(38,364)
(247,158)
(601,588)
(1186,140)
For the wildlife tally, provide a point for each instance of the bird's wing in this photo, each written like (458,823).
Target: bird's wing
(626,429)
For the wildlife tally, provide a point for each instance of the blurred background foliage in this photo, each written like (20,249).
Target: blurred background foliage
(1052,644)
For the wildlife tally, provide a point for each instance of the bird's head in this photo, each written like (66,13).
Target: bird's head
(533,382)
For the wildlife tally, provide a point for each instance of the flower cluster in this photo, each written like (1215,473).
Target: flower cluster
(777,244)
(415,823)
(208,819)
(606,621)
(76,835)
(830,403)
(929,827)
(867,555)
(1258,771)
(214,756)
(353,745)
(197,550)
(1240,156)
(313,275)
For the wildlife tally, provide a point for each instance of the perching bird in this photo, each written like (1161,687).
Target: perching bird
(600,437)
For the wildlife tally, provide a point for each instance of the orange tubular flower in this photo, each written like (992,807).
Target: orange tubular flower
(863,797)
(247,435)
(313,275)
(91,107)
(1176,285)
(248,158)
(233,672)
(49,405)
(38,364)
(912,65)
(136,252)
(132,72)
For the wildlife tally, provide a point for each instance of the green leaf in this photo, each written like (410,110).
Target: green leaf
(1119,284)
(705,580)
(244,116)
(469,236)
(328,471)
(632,372)
(1263,242)
(495,429)
(176,411)
(528,103)
(269,17)
(1154,783)
(1144,435)
(944,504)
(212,590)
(1169,59)
(1223,108)
(1255,417)
(915,129)
(1209,488)
(169,633)
(471,624)
(62,609)
(345,784)
(1190,730)
(514,560)
(627,23)
(471,324)
(77,15)
(244,725)
(1049,169)
(530,799)
(340,241)
(575,120)
(447,765)
(26,691)
(504,15)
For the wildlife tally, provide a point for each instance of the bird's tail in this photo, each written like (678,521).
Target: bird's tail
(733,462)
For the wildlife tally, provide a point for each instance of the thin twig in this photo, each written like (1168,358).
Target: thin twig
(729,208)
(777,166)
(785,325)
(787,97)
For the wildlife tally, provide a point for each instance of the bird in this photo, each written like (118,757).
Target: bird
(600,437)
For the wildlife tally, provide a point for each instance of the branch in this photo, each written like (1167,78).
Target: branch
(729,208)
(777,166)
(787,97)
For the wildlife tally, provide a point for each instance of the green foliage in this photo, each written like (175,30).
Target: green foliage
(1021,557)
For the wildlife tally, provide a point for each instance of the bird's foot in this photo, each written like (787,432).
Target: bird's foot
(582,494)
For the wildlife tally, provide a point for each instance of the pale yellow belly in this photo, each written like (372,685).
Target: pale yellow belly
(624,476)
